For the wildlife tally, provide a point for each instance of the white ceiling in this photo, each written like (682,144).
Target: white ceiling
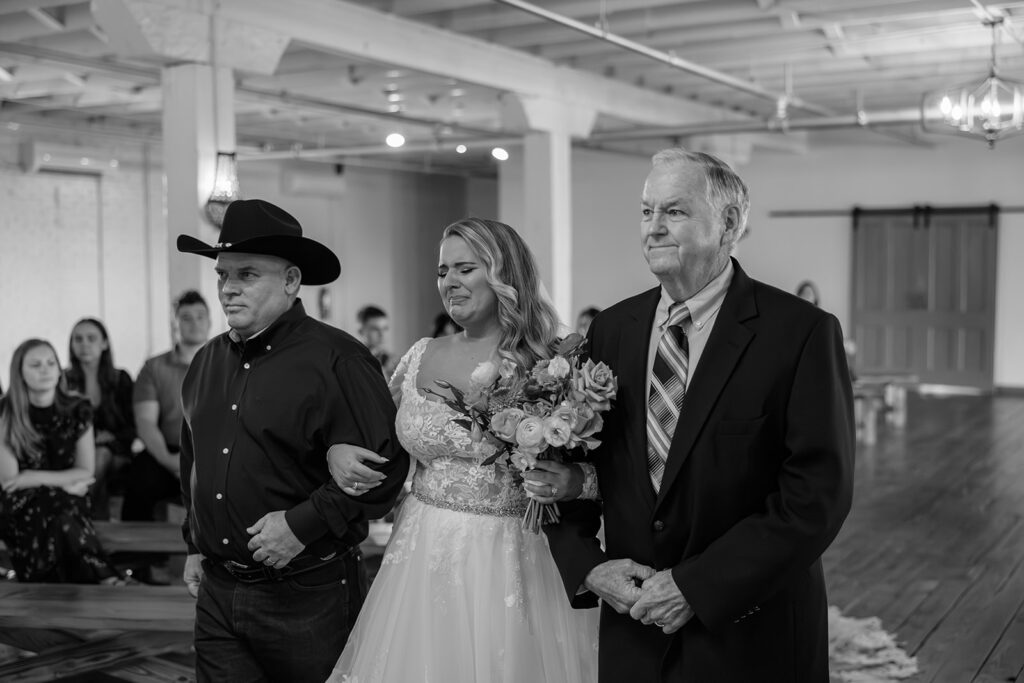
(59,68)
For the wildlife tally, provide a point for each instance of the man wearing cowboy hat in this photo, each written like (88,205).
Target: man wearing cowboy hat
(273,542)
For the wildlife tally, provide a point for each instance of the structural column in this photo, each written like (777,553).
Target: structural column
(198,121)
(547,191)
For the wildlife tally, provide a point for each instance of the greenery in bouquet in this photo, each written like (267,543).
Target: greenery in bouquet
(550,411)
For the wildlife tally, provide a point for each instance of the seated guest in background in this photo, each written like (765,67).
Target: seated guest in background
(109,390)
(46,467)
(373,330)
(808,291)
(584,318)
(444,326)
(154,473)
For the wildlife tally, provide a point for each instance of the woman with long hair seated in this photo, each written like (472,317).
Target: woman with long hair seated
(46,468)
(109,389)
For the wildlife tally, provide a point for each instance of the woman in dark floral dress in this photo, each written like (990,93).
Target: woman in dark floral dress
(46,467)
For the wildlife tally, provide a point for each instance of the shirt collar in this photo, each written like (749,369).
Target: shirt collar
(701,305)
(277,330)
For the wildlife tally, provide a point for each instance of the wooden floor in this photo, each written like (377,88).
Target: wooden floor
(934,545)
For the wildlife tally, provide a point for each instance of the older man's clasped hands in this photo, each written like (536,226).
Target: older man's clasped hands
(649,596)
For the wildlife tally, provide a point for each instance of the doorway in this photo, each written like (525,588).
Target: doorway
(924,283)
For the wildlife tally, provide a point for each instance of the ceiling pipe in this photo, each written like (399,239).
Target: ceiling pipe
(859,120)
(666,58)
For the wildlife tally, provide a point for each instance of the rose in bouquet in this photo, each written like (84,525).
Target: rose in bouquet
(550,411)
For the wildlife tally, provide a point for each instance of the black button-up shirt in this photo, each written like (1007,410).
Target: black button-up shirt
(259,417)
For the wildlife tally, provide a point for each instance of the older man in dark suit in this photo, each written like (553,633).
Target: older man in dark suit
(726,467)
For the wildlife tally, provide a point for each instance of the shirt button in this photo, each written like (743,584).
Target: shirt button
(224,541)
(234,406)
(246,366)
(225,451)
(219,496)
(268,347)
(659,525)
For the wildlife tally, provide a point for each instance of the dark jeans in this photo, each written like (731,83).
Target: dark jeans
(148,483)
(291,630)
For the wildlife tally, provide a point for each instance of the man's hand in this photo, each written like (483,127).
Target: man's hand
(273,542)
(662,604)
(193,574)
(617,582)
(350,474)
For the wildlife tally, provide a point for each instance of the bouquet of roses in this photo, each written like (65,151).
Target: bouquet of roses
(550,411)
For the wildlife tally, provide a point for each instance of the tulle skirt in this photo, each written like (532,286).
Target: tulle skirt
(468,598)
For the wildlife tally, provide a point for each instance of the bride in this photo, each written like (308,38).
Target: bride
(463,593)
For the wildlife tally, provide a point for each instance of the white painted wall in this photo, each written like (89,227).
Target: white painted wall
(384,226)
(608,265)
(784,251)
(74,246)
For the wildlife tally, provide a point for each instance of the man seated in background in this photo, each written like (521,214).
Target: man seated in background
(373,330)
(154,473)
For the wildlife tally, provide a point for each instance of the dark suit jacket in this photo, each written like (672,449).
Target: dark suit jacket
(757,484)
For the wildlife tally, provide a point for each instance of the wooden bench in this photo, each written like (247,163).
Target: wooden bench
(120,626)
(139,537)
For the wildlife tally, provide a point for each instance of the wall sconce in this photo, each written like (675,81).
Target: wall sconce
(225,188)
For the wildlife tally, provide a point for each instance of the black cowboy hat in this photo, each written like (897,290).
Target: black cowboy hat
(253,226)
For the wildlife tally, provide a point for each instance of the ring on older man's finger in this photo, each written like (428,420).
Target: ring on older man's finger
(659,624)
(268,561)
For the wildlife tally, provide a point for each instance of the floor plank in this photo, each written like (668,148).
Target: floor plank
(934,545)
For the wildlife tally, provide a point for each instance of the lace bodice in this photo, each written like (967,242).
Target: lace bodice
(448,468)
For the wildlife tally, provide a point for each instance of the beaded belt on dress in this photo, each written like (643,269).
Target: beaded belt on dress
(492,510)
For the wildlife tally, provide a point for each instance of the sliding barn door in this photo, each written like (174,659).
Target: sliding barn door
(924,294)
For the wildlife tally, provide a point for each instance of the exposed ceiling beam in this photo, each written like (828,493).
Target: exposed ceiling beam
(24,27)
(12,6)
(671,60)
(344,28)
(46,19)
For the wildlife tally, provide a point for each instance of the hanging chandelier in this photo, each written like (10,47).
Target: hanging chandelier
(992,109)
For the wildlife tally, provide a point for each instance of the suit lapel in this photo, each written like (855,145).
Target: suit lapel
(729,339)
(635,338)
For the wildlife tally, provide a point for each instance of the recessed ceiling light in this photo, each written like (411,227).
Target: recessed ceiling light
(460,149)
(395,140)
(500,153)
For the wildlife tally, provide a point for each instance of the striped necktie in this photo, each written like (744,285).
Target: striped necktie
(668,386)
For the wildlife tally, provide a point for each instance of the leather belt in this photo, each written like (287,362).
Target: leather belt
(262,573)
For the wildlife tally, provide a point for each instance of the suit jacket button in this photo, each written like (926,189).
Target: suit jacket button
(659,525)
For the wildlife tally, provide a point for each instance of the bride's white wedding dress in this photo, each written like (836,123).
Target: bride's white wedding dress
(463,595)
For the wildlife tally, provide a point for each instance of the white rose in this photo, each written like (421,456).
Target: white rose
(484,374)
(558,367)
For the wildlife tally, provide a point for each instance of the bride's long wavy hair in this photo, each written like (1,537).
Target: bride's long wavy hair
(528,321)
